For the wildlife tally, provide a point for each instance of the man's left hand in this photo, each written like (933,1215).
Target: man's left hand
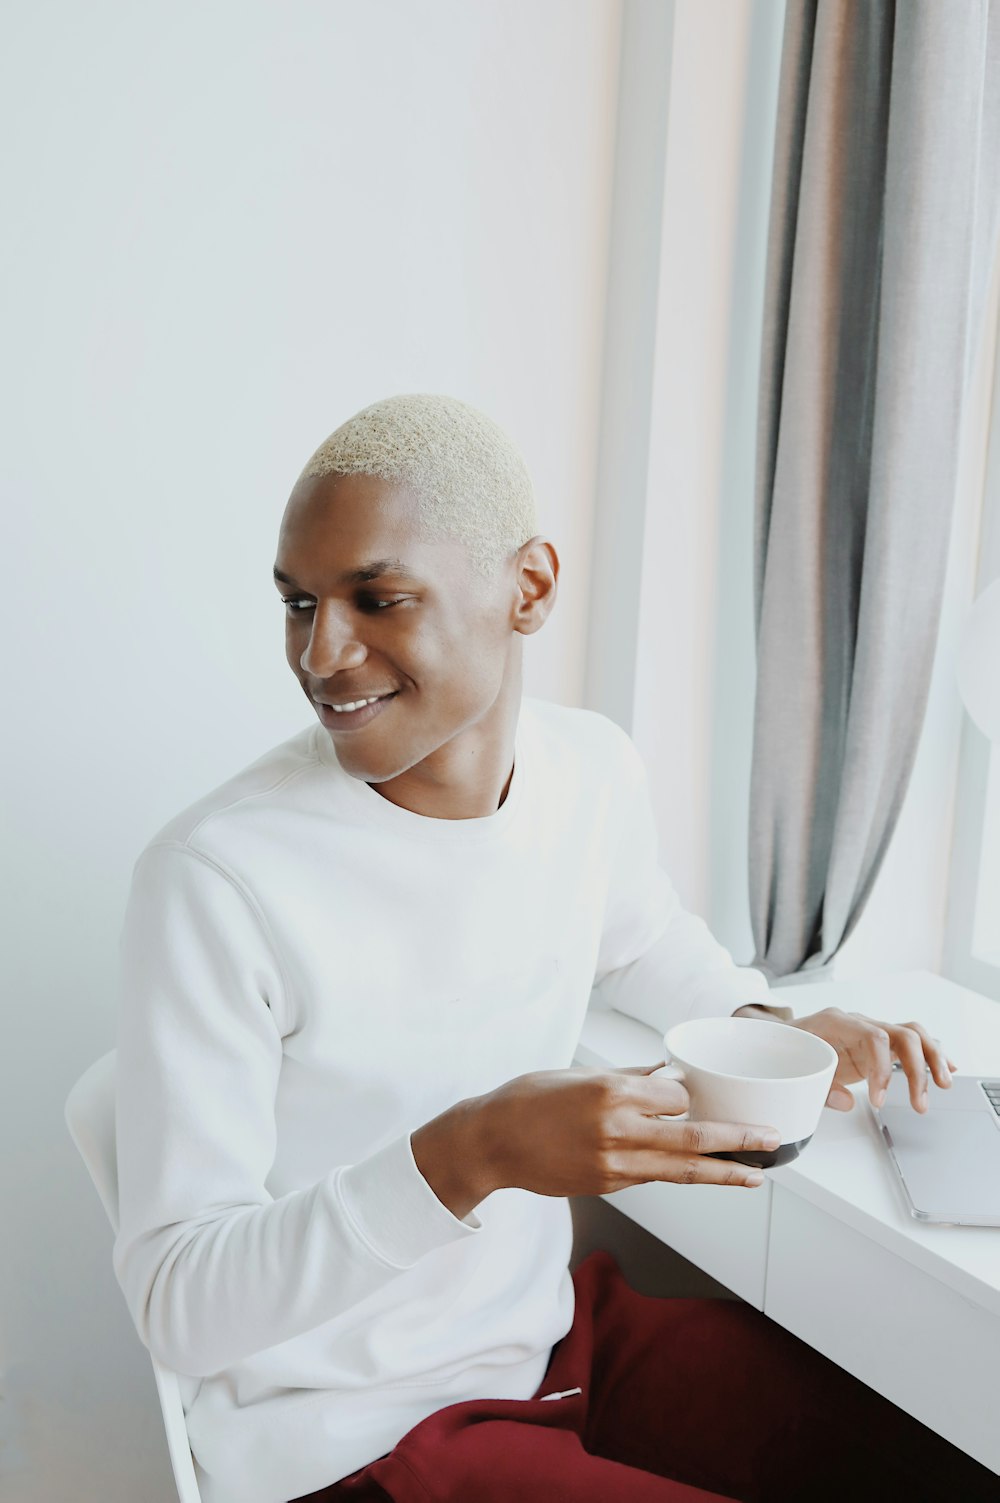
(866,1049)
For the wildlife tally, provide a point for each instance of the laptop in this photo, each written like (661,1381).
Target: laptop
(947,1158)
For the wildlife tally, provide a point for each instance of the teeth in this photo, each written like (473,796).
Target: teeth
(357,704)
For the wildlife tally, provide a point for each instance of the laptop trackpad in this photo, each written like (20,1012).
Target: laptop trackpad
(949,1159)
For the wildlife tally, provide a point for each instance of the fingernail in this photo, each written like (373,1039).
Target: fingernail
(879,1096)
(772,1140)
(755,1179)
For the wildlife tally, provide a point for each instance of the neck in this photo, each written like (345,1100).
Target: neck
(470,776)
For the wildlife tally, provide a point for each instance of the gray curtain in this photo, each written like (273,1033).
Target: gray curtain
(882,233)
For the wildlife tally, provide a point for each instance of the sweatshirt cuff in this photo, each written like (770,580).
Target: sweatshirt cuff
(394,1210)
(721,992)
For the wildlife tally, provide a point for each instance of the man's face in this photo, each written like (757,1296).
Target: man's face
(375,609)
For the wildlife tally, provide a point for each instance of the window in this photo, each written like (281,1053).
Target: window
(972,929)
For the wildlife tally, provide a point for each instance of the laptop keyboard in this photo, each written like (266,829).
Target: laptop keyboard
(992,1089)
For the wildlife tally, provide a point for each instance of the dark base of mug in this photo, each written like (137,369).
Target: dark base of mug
(783,1154)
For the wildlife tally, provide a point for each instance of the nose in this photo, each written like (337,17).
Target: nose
(333,645)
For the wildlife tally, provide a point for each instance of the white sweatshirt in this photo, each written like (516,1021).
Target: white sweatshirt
(310,972)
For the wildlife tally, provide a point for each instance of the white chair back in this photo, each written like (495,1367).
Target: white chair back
(90,1117)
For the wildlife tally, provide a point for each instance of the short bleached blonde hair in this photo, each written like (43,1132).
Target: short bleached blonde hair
(471,484)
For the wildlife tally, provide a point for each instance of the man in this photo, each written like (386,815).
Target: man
(353,978)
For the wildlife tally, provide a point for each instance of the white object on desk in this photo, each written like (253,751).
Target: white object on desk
(826,1246)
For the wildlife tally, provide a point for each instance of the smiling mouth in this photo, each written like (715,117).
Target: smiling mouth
(353,704)
(353,713)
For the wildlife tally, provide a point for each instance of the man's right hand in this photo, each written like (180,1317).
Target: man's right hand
(578,1132)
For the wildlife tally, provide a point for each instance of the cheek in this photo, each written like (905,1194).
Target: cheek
(475,667)
(295,644)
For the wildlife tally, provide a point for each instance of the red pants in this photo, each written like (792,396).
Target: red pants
(683,1401)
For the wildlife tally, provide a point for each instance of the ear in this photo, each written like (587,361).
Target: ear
(536,569)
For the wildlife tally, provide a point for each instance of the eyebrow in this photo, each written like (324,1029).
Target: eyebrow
(375,569)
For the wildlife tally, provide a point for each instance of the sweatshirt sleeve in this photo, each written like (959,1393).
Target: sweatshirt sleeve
(213,1267)
(657,962)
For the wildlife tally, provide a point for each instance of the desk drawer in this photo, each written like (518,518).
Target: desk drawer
(721,1228)
(911,1338)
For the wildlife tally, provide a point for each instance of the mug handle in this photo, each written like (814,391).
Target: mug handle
(670,1072)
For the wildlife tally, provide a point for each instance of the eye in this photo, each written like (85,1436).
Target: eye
(297,604)
(376,603)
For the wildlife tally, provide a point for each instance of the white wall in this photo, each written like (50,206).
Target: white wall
(235,225)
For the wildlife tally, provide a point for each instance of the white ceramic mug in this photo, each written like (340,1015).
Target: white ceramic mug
(746,1070)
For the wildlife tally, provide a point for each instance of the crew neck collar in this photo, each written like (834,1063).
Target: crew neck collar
(384,812)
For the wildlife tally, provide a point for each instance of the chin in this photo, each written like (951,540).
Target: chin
(367,769)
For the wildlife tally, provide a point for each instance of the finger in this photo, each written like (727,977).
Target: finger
(690,1139)
(640,1069)
(692,1169)
(933,1054)
(854,1050)
(878,1062)
(853,1063)
(660,1096)
(909,1049)
(663,1097)
(840,1098)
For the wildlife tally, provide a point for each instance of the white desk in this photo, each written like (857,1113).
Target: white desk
(826,1246)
